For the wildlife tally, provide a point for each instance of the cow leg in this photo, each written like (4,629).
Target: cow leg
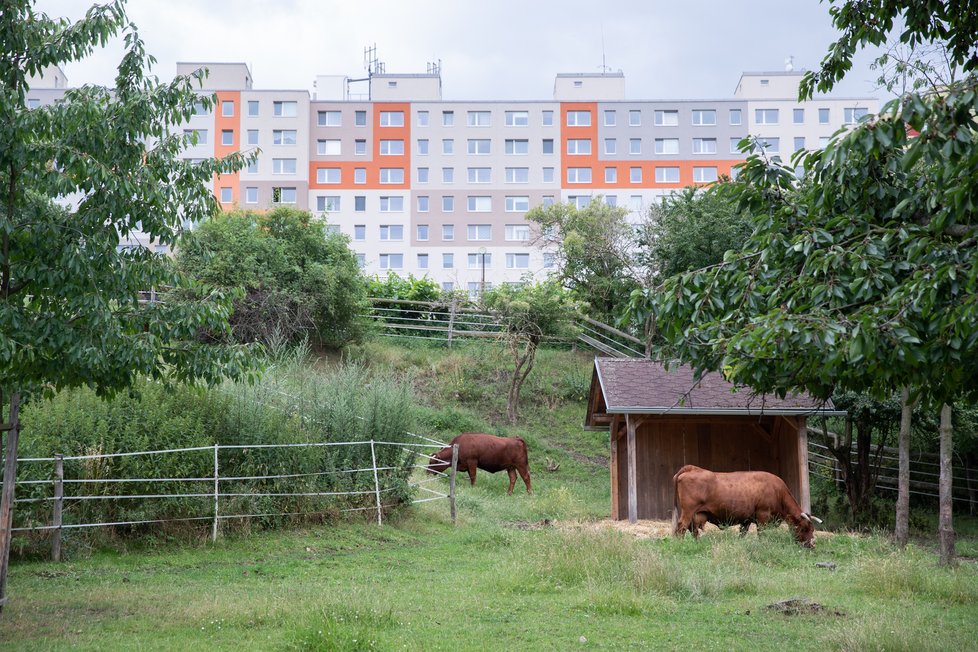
(525,474)
(699,521)
(685,520)
(744,526)
(761,518)
(512,481)
(472,469)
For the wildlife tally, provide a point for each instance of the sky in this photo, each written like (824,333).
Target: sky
(489,49)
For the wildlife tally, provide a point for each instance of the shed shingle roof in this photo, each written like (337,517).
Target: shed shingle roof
(645,386)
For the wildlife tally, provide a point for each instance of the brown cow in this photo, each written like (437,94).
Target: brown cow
(741,498)
(486,452)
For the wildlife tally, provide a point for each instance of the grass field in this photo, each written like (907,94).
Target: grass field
(502,578)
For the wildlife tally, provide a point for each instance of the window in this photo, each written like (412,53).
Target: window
(360,175)
(666,175)
(479,204)
(361,260)
(448,118)
(704,117)
(769,145)
(666,146)
(329,203)
(421,232)
(392,148)
(227,108)
(634,118)
(286,166)
(514,146)
(422,261)
(360,203)
(704,146)
(735,117)
(798,116)
(548,145)
(735,144)
(447,286)
(766,116)
(479,118)
(548,200)
(548,175)
(283,195)
(447,231)
(518,232)
(634,145)
(285,109)
(284,137)
(799,143)
(517,204)
(251,195)
(201,135)
(480,260)
(517,261)
(475,287)
(580,201)
(252,135)
(422,118)
(610,118)
(360,147)
(392,175)
(666,118)
(391,261)
(422,175)
(517,175)
(479,232)
(823,142)
(199,108)
(610,146)
(226,196)
(578,118)
(227,137)
(479,145)
(392,204)
(391,232)
(252,108)
(852,116)
(328,118)
(611,175)
(448,204)
(611,200)
(579,146)
(480,175)
(635,201)
(765,82)
(578,175)
(635,175)
(549,261)
(704,174)
(447,146)
(360,118)
(517,118)
(423,204)
(328,175)
(423,147)
(548,118)
(252,167)
(392,118)
(448,260)
(448,175)
(823,116)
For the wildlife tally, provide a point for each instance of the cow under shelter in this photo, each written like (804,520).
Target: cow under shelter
(660,420)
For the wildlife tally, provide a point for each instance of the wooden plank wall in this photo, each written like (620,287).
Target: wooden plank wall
(664,444)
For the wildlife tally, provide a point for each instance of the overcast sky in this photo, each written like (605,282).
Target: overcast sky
(489,49)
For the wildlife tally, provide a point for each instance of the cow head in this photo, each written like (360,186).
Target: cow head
(440,461)
(805,529)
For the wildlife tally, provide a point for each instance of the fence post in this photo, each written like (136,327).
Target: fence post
(9,482)
(59,477)
(216,493)
(451,481)
(451,320)
(373,457)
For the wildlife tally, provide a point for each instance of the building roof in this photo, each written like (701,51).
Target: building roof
(640,386)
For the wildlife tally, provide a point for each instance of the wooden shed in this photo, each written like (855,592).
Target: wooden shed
(661,419)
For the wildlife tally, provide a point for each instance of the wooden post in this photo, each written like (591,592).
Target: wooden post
(451,482)
(615,500)
(632,471)
(59,493)
(805,497)
(451,320)
(7,497)
(901,530)
(216,494)
(373,456)
(945,526)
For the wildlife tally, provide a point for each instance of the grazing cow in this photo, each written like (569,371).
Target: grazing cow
(486,452)
(741,498)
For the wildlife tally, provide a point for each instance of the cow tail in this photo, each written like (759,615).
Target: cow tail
(675,502)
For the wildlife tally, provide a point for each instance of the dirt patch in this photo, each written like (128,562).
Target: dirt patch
(652,529)
(801,607)
(527,525)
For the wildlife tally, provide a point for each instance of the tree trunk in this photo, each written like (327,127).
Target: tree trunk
(945,528)
(7,497)
(902,530)
(524,365)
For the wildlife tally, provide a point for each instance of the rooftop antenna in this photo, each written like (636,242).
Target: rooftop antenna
(789,63)
(434,67)
(604,67)
(371,63)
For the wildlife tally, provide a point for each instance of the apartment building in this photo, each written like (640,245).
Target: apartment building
(440,188)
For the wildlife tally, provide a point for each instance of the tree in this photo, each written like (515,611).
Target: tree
(70,313)
(299,280)
(592,249)
(529,313)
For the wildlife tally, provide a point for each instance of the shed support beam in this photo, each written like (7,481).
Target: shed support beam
(805,499)
(632,471)
(615,504)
